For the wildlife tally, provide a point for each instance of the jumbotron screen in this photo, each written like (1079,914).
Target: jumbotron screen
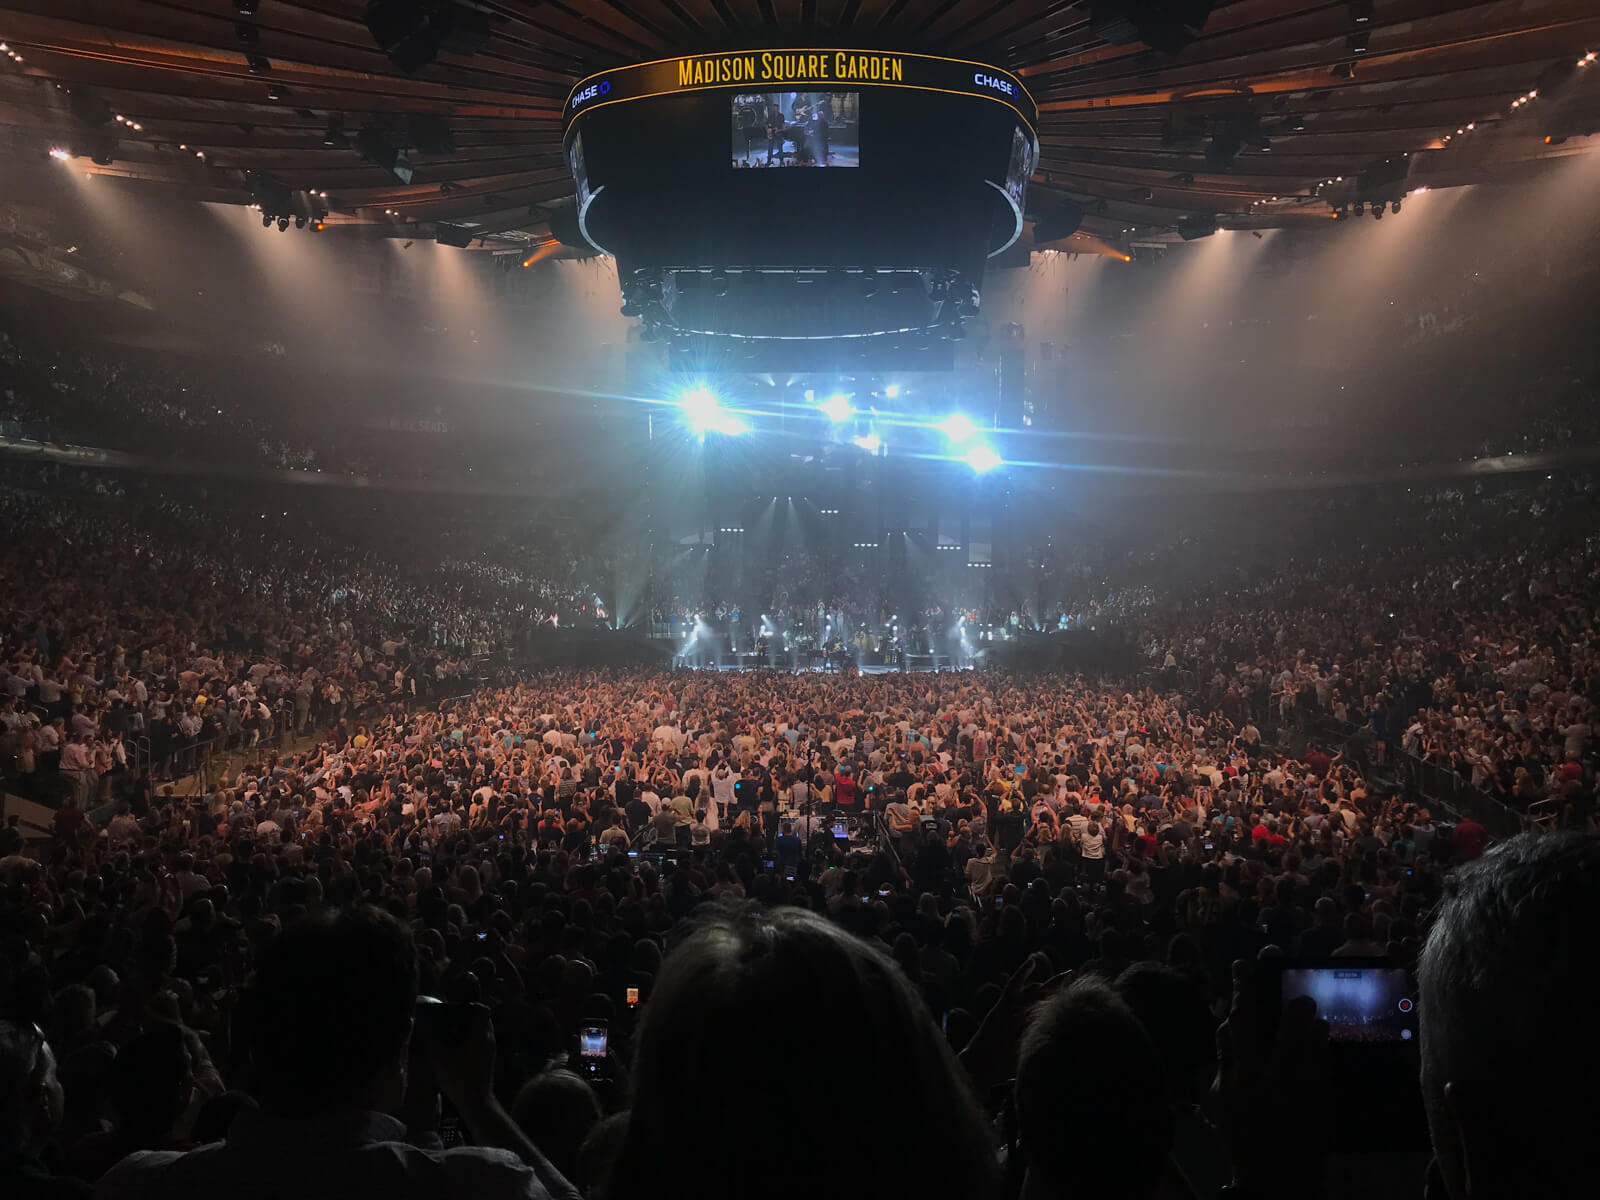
(896,157)
(796,129)
(774,197)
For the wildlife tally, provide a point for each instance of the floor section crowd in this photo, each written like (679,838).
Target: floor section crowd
(664,910)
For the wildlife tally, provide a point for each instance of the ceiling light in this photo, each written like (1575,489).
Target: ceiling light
(58,153)
(837,408)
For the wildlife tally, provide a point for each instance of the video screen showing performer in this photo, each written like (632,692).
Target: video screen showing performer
(797,129)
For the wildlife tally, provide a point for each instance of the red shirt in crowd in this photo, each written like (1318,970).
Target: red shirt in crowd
(1468,840)
(844,791)
(1262,836)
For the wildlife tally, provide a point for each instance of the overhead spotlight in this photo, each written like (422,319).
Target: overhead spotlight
(1360,12)
(1377,210)
(1394,207)
(1360,208)
(259,64)
(892,392)
(277,92)
(376,148)
(1222,150)
(89,108)
(283,224)
(837,408)
(430,133)
(299,221)
(247,34)
(334,134)
(247,8)
(1164,25)
(982,458)
(318,226)
(58,153)
(870,443)
(1357,43)
(266,220)
(413,32)
(958,427)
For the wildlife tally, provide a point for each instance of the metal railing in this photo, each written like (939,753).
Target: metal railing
(1439,785)
(1443,786)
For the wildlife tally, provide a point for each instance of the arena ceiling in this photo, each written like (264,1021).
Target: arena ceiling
(1323,90)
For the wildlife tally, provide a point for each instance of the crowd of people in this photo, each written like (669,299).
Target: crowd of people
(1463,634)
(622,884)
(136,627)
(588,931)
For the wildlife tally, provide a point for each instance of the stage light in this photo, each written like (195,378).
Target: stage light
(1394,207)
(837,408)
(705,415)
(982,458)
(266,220)
(700,407)
(892,392)
(870,443)
(958,427)
(283,224)
(59,153)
